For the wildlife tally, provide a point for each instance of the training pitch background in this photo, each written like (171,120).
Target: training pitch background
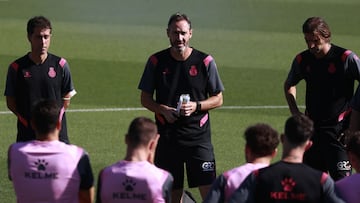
(108,42)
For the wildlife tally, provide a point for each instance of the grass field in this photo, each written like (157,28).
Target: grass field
(107,44)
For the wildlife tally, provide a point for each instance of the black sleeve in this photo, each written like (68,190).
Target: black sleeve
(216,193)
(329,192)
(85,171)
(245,193)
(167,188)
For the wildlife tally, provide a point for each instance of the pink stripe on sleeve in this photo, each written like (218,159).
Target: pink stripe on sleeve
(324,178)
(62,111)
(15,66)
(299,58)
(62,62)
(154,60)
(345,55)
(204,119)
(207,60)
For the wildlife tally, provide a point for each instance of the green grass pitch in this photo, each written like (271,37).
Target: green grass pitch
(107,44)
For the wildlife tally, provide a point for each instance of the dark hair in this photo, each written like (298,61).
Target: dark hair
(38,21)
(352,142)
(317,25)
(45,116)
(298,129)
(141,131)
(262,139)
(178,17)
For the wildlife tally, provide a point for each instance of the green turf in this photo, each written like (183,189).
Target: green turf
(108,42)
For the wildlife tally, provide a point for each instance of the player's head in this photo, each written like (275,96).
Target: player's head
(179,32)
(141,132)
(317,26)
(38,22)
(178,17)
(45,117)
(261,139)
(39,35)
(352,142)
(298,129)
(317,35)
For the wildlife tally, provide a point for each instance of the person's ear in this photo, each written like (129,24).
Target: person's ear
(274,153)
(309,143)
(168,32)
(58,125)
(153,143)
(152,149)
(126,139)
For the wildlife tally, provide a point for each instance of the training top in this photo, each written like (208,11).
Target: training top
(168,78)
(348,188)
(135,182)
(48,171)
(329,82)
(29,82)
(286,182)
(229,181)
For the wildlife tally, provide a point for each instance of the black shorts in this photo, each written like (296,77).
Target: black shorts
(328,153)
(199,161)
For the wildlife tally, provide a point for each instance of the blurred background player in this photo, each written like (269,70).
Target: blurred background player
(47,170)
(260,148)
(185,138)
(329,72)
(38,75)
(136,178)
(348,188)
(289,180)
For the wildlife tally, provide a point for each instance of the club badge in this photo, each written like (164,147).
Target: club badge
(52,72)
(193,71)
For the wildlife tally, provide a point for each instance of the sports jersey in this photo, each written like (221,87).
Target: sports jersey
(48,171)
(348,188)
(169,78)
(135,182)
(286,182)
(329,82)
(28,82)
(229,181)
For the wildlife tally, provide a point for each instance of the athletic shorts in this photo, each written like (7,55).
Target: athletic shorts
(199,162)
(328,154)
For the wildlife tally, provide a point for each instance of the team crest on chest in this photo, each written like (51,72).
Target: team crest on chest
(193,70)
(52,72)
(27,74)
(331,68)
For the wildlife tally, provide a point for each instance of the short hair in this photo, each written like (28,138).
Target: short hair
(45,116)
(352,143)
(298,129)
(317,25)
(141,131)
(179,17)
(38,21)
(262,139)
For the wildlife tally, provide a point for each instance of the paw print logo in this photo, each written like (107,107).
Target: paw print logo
(288,184)
(41,164)
(129,184)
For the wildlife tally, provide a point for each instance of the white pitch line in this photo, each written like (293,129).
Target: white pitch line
(141,109)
